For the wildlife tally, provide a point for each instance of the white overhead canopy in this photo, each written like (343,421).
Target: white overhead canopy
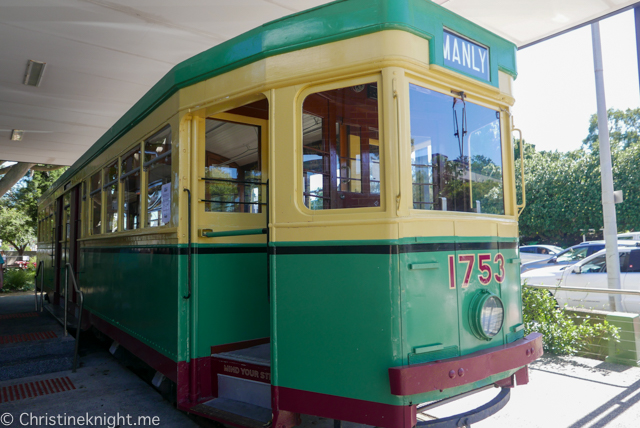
(103,55)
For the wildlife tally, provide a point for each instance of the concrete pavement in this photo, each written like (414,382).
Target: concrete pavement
(563,392)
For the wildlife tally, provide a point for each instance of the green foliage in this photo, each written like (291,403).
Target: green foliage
(562,335)
(19,208)
(19,280)
(624,129)
(564,194)
(15,228)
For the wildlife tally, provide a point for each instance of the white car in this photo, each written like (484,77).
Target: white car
(529,253)
(592,273)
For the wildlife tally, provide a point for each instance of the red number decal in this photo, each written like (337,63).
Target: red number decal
(452,272)
(485,276)
(469,259)
(499,258)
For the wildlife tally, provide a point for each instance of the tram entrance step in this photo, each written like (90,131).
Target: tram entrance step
(235,412)
(259,355)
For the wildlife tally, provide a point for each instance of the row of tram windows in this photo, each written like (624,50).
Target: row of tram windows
(456,160)
(100,203)
(152,158)
(456,151)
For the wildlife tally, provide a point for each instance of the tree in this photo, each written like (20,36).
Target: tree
(564,194)
(19,208)
(14,173)
(624,129)
(15,229)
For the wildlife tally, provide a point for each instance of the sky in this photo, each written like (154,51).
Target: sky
(555,90)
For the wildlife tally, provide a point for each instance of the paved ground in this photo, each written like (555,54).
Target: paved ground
(564,392)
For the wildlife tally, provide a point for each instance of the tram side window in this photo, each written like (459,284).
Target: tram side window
(157,163)
(341,148)
(67,215)
(232,166)
(456,154)
(111,202)
(131,187)
(83,204)
(96,203)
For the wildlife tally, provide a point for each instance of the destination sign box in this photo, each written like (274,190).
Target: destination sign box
(464,55)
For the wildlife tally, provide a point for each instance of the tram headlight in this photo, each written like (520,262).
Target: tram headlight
(486,315)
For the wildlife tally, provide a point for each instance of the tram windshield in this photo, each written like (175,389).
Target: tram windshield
(456,154)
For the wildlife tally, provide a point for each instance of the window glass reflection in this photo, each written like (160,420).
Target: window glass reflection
(456,154)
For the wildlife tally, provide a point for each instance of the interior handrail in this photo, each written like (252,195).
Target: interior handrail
(74,281)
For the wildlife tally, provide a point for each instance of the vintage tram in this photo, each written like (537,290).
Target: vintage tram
(317,217)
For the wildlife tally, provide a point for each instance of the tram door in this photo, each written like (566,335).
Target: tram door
(67,235)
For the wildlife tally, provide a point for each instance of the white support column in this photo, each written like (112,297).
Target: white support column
(608,204)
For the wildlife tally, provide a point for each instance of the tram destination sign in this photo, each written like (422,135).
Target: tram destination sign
(464,55)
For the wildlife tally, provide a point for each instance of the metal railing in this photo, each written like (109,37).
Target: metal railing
(585,289)
(70,273)
(39,274)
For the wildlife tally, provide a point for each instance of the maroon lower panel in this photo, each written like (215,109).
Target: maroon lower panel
(343,409)
(155,359)
(453,372)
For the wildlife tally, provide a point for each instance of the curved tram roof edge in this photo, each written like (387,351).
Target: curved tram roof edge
(340,20)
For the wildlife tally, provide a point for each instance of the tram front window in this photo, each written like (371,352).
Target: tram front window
(341,148)
(456,154)
(232,165)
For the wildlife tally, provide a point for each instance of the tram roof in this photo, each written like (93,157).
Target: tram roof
(324,24)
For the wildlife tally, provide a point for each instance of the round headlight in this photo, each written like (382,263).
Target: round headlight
(486,315)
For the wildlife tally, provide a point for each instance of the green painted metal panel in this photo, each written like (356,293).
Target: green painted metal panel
(231,295)
(335,21)
(137,290)
(336,324)
(338,319)
(429,314)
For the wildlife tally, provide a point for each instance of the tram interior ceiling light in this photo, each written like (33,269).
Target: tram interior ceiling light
(16,135)
(34,72)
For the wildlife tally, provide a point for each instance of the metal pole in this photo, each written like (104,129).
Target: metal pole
(66,300)
(608,204)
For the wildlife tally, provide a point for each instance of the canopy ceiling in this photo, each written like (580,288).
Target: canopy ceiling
(103,55)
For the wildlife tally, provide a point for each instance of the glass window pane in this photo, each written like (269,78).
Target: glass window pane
(131,189)
(67,216)
(232,161)
(456,154)
(111,174)
(157,145)
(158,150)
(341,148)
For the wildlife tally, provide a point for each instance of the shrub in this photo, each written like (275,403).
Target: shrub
(18,280)
(562,334)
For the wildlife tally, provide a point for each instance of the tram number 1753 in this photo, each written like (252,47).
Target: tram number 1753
(486,265)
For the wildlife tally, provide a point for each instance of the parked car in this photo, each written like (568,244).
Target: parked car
(630,236)
(538,252)
(569,256)
(591,272)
